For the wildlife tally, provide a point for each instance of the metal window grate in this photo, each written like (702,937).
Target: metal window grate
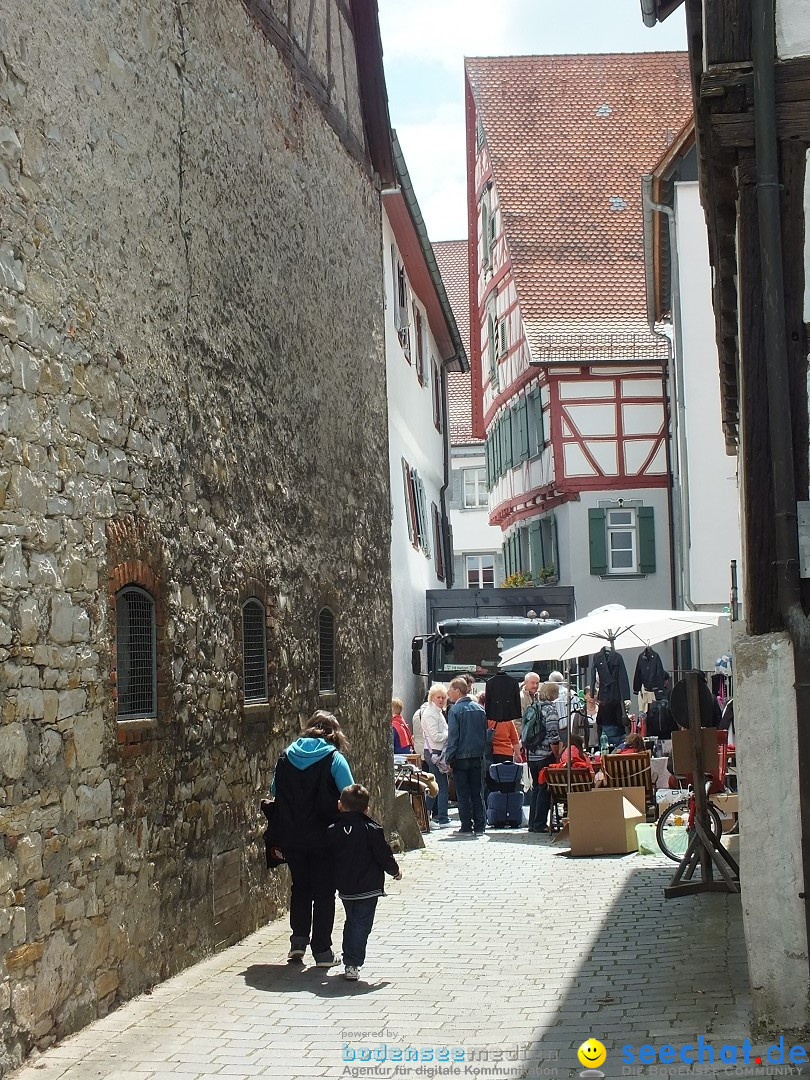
(326,656)
(254,652)
(136,670)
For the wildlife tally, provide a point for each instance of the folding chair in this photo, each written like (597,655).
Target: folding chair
(630,770)
(557,782)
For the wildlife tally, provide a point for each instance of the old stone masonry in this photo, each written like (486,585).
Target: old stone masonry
(194,508)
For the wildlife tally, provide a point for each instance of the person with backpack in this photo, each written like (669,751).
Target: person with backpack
(308,779)
(540,736)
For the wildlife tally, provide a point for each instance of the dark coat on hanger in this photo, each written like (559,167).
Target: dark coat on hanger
(502,697)
(650,672)
(614,684)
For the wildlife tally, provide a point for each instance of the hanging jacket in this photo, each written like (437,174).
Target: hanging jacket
(650,672)
(614,684)
(502,701)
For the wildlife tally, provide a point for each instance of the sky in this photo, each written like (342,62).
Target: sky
(424,45)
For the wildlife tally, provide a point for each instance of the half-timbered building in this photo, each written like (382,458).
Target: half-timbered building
(567,378)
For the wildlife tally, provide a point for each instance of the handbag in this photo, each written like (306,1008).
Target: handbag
(440,761)
(273,853)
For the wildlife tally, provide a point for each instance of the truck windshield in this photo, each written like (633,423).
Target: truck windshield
(479,654)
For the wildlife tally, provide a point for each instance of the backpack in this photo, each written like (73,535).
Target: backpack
(533,734)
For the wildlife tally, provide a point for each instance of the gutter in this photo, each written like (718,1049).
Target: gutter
(673,397)
(779,401)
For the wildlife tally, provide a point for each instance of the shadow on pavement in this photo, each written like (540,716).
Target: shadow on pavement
(657,971)
(292,978)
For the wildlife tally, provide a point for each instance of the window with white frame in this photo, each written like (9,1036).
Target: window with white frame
(254,652)
(475,488)
(622,541)
(488,229)
(493,340)
(480,571)
(136,654)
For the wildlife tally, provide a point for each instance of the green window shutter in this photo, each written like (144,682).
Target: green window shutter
(535,548)
(489,464)
(597,537)
(507,562)
(646,539)
(534,422)
(508,458)
(492,330)
(521,420)
(496,450)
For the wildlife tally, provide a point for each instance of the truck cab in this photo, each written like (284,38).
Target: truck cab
(474,645)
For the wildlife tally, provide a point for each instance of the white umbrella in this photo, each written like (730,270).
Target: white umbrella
(614,625)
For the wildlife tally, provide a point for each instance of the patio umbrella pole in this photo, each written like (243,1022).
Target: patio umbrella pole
(568,740)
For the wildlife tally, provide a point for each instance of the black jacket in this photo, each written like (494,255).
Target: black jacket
(361,856)
(306,801)
(613,682)
(502,698)
(650,672)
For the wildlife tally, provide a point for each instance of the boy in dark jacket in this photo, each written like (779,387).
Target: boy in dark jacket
(361,857)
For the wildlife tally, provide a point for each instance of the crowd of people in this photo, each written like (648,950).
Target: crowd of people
(319,822)
(451,734)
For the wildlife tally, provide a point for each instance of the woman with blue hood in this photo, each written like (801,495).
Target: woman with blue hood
(309,777)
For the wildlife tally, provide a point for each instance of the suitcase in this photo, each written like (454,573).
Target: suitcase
(506,777)
(505,809)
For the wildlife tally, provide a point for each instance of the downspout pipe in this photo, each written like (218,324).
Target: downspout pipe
(675,398)
(779,400)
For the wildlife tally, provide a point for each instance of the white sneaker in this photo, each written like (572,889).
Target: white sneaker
(351,973)
(326,960)
(295,953)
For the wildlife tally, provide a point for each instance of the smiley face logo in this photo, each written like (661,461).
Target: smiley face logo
(592,1054)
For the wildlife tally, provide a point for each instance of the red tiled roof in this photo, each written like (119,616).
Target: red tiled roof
(451,256)
(569,138)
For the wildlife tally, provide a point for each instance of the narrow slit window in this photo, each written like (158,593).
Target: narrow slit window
(254,652)
(135,654)
(326,655)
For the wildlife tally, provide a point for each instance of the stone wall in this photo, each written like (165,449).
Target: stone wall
(192,397)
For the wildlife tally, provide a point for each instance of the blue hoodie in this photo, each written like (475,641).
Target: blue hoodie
(305,752)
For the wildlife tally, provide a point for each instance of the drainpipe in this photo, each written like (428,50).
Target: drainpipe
(675,368)
(779,403)
(446,531)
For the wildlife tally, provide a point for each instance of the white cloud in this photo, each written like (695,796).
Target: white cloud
(435,154)
(443,32)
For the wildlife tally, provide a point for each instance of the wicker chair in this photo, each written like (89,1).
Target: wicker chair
(630,770)
(557,782)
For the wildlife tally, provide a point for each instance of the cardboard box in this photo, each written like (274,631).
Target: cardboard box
(728,806)
(603,821)
(682,762)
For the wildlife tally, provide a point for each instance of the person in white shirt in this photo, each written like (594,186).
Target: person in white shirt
(433,726)
(562,700)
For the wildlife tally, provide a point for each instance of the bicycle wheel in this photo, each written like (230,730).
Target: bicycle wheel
(672,833)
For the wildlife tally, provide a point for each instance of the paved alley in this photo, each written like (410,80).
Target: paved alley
(502,944)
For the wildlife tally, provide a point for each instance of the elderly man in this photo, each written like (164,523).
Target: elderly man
(466,748)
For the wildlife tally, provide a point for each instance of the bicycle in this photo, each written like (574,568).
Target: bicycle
(680,814)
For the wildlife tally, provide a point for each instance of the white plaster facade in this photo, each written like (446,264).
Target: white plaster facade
(472,533)
(792,28)
(413,441)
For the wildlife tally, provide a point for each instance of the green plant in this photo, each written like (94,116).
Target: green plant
(518,580)
(547,573)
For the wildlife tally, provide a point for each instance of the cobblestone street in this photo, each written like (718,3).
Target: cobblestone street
(499,943)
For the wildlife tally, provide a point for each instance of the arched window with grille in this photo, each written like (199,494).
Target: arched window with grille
(135,654)
(254,651)
(326,650)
